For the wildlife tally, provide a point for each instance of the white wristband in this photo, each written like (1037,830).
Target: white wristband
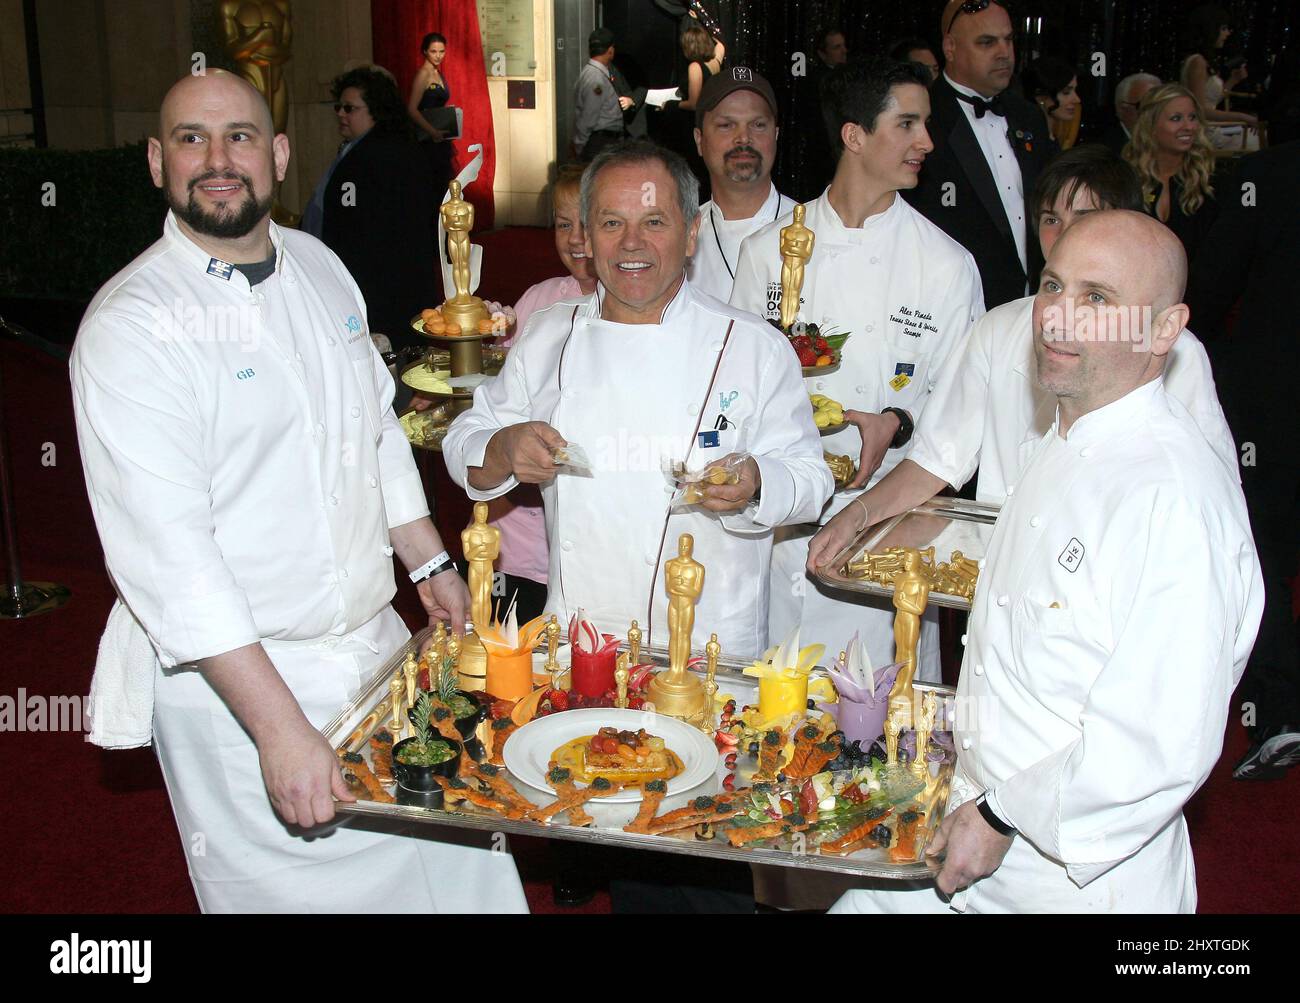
(430,569)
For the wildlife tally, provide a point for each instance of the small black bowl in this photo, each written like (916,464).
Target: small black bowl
(465,725)
(421,778)
(420,799)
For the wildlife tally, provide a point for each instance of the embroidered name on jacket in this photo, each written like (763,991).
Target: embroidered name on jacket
(913,322)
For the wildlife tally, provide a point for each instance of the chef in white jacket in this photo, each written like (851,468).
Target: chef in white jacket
(250,484)
(906,293)
(735,133)
(1114,615)
(645,370)
(988,411)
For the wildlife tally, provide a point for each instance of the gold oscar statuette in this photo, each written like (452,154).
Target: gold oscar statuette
(712,652)
(552,666)
(620,680)
(482,545)
(463,308)
(634,643)
(395,687)
(911,594)
(796,250)
(675,692)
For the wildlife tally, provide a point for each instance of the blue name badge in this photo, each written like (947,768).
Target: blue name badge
(905,369)
(221,269)
(709,440)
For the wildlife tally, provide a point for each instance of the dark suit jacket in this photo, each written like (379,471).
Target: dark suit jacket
(1114,138)
(386,239)
(1253,252)
(973,215)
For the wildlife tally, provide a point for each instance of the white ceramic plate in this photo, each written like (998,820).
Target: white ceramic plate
(528,751)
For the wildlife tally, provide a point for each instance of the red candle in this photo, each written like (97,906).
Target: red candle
(592,675)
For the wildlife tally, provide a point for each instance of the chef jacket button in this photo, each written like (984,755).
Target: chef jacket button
(1011,489)
(344,573)
(1085,452)
(821,384)
(1035,522)
(388,551)
(870,328)
(650,559)
(979,669)
(334,499)
(330,342)
(320,428)
(374,483)
(356,412)
(963,640)
(1003,600)
(966,743)
(567,545)
(875,260)
(298,356)
(860,389)
(291,280)
(694,409)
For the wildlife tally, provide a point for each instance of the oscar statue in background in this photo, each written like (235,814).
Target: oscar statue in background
(257,37)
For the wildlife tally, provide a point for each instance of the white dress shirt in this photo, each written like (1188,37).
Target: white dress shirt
(717,246)
(991,134)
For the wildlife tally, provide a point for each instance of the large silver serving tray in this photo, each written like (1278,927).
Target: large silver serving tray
(352,728)
(947,524)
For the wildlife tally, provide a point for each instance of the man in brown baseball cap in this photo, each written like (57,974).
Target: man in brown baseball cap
(735,133)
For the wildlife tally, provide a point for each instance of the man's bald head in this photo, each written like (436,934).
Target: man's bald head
(1146,248)
(217,159)
(234,95)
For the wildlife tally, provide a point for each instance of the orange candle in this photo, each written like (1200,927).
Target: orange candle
(510,677)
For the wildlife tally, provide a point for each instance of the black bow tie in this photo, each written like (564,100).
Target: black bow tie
(981,106)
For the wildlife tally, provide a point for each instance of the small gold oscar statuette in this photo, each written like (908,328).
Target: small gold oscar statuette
(481,544)
(411,672)
(712,652)
(676,692)
(395,687)
(463,308)
(634,643)
(620,680)
(552,666)
(911,594)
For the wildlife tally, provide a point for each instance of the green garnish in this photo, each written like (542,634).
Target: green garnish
(703,803)
(601,784)
(488,770)
(908,817)
(441,713)
(352,757)
(425,754)
(657,786)
(772,738)
(558,775)
(501,724)
(811,732)
(462,706)
(796,819)
(457,783)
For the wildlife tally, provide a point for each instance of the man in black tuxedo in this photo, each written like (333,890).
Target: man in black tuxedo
(989,145)
(1253,252)
(1128,95)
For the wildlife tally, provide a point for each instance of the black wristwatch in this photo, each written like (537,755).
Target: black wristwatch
(995,823)
(905,427)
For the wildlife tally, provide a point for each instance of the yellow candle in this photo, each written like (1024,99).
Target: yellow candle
(782,693)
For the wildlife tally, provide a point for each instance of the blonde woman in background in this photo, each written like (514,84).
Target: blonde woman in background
(1173,157)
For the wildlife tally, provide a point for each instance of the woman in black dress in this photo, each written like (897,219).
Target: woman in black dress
(429,91)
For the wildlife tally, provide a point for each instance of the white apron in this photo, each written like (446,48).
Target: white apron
(242,858)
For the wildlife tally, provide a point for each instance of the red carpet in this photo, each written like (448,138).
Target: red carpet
(93,832)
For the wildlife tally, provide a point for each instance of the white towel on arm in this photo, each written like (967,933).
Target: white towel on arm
(121,691)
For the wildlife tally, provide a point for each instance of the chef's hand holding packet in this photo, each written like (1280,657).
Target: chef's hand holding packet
(571,459)
(692,484)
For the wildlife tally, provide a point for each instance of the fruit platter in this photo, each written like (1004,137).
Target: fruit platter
(789,783)
(819,348)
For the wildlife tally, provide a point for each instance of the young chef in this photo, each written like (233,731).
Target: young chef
(988,411)
(907,295)
(1102,653)
(250,484)
(642,371)
(735,132)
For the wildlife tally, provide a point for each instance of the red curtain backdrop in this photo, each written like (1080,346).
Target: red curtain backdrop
(397,27)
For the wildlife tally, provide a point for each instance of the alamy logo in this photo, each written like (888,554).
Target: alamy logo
(102,957)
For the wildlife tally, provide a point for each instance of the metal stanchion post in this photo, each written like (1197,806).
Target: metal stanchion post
(21,599)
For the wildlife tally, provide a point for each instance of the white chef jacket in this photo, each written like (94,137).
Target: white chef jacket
(1114,616)
(632,396)
(907,294)
(717,248)
(244,466)
(991,134)
(988,411)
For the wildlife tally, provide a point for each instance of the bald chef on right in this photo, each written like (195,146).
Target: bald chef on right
(645,369)
(1114,615)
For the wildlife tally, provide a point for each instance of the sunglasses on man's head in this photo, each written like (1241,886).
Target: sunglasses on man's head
(349,108)
(969,7)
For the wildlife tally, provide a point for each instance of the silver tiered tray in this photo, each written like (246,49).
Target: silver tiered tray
(352,728)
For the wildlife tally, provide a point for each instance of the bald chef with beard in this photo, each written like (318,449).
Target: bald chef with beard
(648,369)
(1116,609)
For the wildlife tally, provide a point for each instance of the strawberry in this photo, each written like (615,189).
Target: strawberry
(802,341)
(559,699)
(807,357)
(821,345)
